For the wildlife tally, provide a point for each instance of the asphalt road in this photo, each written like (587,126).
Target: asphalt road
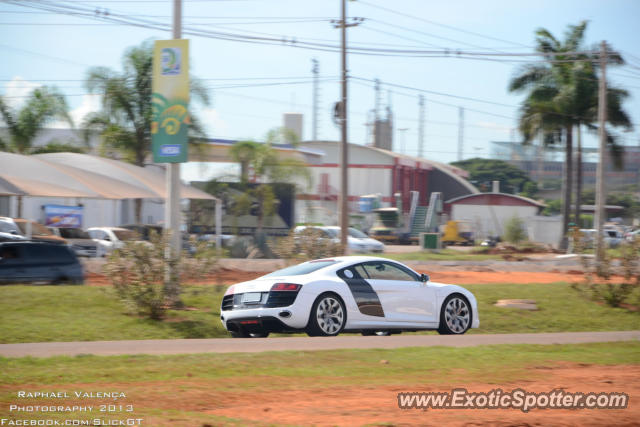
(255,345)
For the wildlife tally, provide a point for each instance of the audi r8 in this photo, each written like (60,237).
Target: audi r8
(362,294)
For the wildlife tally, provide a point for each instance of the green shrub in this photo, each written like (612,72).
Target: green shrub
(137,273)
(514,230)
(597,276)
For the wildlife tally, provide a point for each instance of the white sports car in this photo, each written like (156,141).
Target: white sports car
(346,294)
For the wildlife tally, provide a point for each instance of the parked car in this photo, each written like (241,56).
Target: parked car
(39,232)
(39,262)
(80,241)
(9,232)
(357,241)
(611,237)
(112,238)
(346,294)
(633,236)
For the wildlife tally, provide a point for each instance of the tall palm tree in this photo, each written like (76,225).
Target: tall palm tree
(125,120)
(562,94)
(44,105)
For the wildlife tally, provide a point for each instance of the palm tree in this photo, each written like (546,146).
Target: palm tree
(562,94)
(262,160)
(44,105)
(125,120)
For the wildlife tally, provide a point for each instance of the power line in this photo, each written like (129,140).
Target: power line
(290,41)
(451,27)
(432,92)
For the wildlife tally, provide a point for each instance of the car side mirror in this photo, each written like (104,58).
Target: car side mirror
(424,278)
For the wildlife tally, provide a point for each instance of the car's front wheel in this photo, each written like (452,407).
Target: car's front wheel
(328,316)
(455,315)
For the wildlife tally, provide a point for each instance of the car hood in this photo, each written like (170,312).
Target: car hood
(371,242)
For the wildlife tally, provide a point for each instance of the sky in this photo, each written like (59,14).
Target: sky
(253,84)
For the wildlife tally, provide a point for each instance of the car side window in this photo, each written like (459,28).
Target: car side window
(361,271)
(382,270)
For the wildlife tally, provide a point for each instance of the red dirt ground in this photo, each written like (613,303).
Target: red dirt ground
(189,401)
(378,406)
(227,277)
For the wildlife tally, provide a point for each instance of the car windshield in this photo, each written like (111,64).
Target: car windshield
(74,233)
(332,232)
(301,269)
(7,227)
(125,235)
(357,234)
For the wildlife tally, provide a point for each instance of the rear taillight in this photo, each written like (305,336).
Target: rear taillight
(229,290)
(286,287)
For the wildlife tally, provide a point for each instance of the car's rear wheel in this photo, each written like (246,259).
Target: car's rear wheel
(455,315)
(328,316)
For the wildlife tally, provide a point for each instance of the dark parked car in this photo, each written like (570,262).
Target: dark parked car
(36,262)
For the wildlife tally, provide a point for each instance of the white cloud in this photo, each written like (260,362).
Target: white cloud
(17,91)
(89,104)
(211,121)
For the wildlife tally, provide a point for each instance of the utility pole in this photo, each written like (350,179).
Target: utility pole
(377,100)
(602,135)
(172,203)
(402,140)
(460,132)
(343,197)
(315,69)
(421,127)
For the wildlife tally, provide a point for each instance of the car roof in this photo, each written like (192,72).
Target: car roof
(352,259)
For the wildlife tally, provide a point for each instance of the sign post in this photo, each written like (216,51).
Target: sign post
(169,136)
(170,101)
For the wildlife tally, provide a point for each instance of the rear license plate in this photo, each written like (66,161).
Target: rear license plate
(251,297)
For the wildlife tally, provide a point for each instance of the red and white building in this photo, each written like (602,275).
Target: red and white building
(374,171)
(488,214)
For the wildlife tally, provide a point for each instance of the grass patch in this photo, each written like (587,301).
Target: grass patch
(442,255)
(79,313)
(430,364)
(560,309)
(82,313)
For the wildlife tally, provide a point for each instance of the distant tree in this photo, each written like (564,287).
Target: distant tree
(125,120)
(260,163)
(554,207)
(483,172)
(43,105)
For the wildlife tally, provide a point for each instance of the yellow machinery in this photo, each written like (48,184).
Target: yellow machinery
(457,233)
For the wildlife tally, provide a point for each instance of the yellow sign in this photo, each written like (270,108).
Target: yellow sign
(170,101)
